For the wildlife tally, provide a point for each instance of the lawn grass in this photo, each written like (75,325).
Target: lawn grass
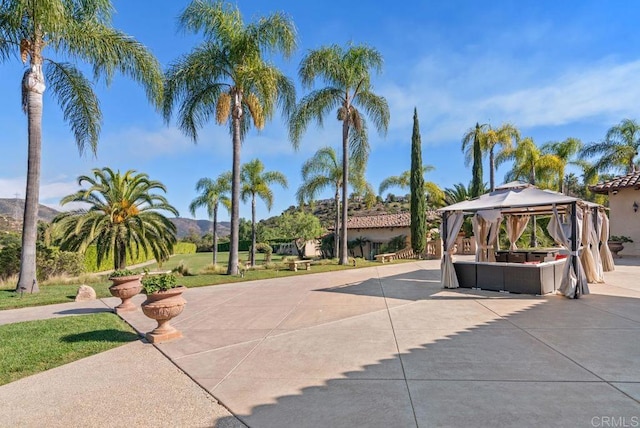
(51,293)
(31,347)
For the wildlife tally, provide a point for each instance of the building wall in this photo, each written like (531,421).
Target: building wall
(378,235)
(624,221)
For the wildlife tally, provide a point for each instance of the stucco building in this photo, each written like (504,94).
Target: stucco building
(624,205)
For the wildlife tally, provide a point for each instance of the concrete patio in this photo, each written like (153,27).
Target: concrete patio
(388,347)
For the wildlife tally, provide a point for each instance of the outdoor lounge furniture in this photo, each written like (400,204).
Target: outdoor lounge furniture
(535,278)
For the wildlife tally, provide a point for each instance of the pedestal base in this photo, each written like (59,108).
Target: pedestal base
(163,337)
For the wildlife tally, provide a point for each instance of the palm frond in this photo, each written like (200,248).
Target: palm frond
(80,106)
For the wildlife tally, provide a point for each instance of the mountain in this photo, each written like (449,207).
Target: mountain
(12,210)
(186,226)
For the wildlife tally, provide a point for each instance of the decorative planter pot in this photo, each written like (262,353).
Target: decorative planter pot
(615,247)
(162,306)
(125,287)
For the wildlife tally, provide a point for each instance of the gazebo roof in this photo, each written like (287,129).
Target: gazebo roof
(515,198)
(624,181)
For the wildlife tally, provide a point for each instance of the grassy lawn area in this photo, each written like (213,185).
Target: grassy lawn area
(196,264)
(31,347)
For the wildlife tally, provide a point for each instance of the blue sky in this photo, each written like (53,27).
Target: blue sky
(555,69)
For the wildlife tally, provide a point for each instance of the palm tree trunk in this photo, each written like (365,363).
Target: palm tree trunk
(34,86)
(215,235)
(344,255)
(232,268)
(252,261)
(492,170)
(336,232)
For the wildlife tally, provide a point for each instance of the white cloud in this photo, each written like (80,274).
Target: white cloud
(451,95)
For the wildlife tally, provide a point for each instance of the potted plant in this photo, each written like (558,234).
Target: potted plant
(616,243)
(164,302)
(125,284)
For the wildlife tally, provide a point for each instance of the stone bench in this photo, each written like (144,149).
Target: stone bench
(294,265)
(387,257)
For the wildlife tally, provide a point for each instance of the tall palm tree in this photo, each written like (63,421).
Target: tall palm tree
(503,137)
(566,151)
(212,193)
(50,36)
(228,78)
(324,170)
(534,166)
(256,182)
(347,74)
(618,150)
(123,217)
(435,195)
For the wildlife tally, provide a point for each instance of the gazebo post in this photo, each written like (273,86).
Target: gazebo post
(444,233)
(575,244)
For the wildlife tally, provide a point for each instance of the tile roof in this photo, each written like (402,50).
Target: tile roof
(384,220)
(630,180)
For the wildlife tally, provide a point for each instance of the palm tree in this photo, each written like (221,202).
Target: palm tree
(212,193)
(256,182)
(324,170)
(347,74)
(50,35)
(530,164)
(460,193)
(361,241)
(123,217)
(490,138)
(618,150)
(435,195)
(565,151)
(227,77)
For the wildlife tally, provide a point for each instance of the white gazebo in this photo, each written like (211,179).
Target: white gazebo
(580,227)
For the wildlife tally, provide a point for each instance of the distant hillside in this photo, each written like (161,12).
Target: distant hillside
(14,208)
(11,212)
(325,209)
(185,227)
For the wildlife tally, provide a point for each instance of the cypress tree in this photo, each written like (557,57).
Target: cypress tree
(418,200)
(476,171)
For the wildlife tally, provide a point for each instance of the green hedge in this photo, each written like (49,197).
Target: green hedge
(242,246)
(184,248)
(91,260)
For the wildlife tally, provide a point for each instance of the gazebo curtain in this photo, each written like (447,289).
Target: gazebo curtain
(594,243)
(486,225)
(515,226)
(572,280)
(453,225)
(605,252)
(586,256)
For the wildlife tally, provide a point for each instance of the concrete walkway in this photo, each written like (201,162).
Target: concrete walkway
(388,347)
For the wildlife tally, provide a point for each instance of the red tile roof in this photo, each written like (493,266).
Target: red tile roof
(384,220)
(630,180)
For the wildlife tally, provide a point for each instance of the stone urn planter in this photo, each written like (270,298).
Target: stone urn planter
(125,287)
(615,247)
(164,302)
(616,244)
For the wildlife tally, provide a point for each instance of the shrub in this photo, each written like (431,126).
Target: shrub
(182,269)
(212,269)
(162,282)
(50,261)
(186,248)
(9,261)
(620,238)
(396,243)
(266,249)
(122,272)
